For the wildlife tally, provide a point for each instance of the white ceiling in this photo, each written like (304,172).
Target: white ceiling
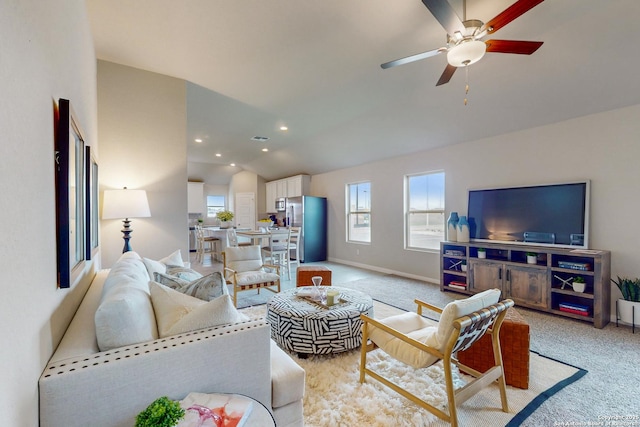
(314,66)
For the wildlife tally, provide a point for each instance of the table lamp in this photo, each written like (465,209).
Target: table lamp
(125,204)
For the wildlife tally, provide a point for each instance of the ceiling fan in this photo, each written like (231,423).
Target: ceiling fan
(464,37)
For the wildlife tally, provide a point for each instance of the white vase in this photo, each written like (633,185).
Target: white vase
(225,224)
(482,254)
(532,259)
(626,311)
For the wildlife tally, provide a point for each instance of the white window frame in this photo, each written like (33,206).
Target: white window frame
(213,209)
(430,243)
(355,210)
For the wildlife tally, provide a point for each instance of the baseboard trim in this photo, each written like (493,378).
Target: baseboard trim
(385,270)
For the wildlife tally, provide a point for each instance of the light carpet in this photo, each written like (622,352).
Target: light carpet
(335,397)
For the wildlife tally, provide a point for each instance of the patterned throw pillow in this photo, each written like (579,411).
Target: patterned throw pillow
(205,288)
(184,273)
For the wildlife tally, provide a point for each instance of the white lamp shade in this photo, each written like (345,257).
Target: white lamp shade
(125,204)
(466,53)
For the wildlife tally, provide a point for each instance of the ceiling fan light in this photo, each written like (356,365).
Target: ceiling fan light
(466,53)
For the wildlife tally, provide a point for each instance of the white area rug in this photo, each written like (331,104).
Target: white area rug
(335,397)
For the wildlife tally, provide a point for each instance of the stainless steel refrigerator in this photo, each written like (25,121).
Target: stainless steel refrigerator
(310,214)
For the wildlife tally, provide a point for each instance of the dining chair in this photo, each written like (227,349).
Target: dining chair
(277,250)
(294,246)
(206,244)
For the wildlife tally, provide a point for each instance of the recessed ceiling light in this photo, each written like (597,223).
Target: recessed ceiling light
(260,138)
(284,128)
(232,164)
(265,149)
(218,155)
(198,140)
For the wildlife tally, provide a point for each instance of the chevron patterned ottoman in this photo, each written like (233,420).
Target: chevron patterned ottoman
(305,327)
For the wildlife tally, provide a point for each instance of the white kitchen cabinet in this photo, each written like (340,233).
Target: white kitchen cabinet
(195,197)
(271,196)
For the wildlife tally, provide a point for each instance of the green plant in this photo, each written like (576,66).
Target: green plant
(224,215)
(630,288)
(578,279)
(162,412)
(532,254)
(482,250)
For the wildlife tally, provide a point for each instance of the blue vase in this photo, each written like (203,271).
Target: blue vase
(452,224)
(463,229)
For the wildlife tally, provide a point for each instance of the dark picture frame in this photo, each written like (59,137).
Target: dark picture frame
(92,237)
(71,190)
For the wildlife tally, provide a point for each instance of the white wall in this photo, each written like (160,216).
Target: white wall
(46,54)
(602,147)
(142,131)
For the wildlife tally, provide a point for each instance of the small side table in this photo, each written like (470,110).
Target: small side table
(259,416)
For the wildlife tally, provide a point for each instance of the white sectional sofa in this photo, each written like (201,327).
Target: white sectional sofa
(84,386)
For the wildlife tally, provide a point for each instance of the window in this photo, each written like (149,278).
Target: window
(359,212)
(425,223)
(215,204)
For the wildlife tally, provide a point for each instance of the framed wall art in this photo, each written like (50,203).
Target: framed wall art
(71,193)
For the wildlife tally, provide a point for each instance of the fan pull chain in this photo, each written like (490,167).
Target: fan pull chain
(466,83)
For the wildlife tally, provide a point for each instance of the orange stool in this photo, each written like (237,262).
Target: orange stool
(306,272)
(514,345)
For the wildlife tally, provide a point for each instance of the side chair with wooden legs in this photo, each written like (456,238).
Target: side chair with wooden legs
(413,340)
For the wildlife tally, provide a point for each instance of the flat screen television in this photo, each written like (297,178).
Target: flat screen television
(550,214)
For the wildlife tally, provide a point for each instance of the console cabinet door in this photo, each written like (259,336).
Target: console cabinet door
(527,286)
(484,275)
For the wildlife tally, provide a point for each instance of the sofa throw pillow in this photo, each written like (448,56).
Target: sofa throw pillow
(205,288)
(177,313)
(174,282)
(160,266)
(185,273)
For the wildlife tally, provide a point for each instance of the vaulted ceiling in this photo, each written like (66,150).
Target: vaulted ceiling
(254,66)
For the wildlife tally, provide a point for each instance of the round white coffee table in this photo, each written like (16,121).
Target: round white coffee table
(304,327)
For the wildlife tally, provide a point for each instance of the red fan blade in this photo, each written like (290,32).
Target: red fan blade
(413,58)
(446,16)
(512,46)
(511,13)
(446,75)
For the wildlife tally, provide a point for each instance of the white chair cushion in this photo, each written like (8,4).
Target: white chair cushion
(243,258)
(433,334)
(177,313)
(460,308)
(253,277)
(414,326)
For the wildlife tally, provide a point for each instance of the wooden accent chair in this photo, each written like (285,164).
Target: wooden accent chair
(419,342)
(244,269)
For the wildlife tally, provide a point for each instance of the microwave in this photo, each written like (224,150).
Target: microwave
(281,204)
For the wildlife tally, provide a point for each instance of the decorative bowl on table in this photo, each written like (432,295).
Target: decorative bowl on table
(264,224)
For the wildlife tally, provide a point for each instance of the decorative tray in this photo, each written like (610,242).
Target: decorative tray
(341,302)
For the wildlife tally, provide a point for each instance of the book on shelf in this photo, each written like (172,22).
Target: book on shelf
(227,410)
(572,311)
(457,285)
(574,306)
(571,265)
(453,252)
